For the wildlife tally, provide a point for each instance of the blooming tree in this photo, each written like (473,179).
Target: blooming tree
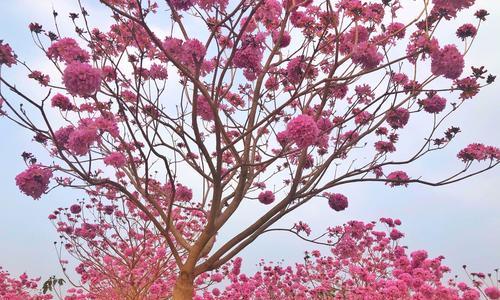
(273,101)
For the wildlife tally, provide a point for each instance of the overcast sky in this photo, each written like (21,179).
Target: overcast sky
(461,221)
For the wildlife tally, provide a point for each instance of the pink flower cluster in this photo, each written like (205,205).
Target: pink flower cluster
(266,197)
(298,69)
(249,55)
(366,55)
(68,51)
(81,79)
(7,57)
(447,61)
(302,130)
(384,147)
(364,263)
(434,104)
(448,8)
(204,110)
(398,118)
(397,178)
(115,159)
(466,30)
(478,152)
(337,202)
(22,288)
(62,102)
(34,181)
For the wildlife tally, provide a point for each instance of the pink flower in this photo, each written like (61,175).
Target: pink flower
(67,50)
(396,234)
(337,201)
(447,61)
(468,86)
(434,104)
(366,55)
(303,131)
(61,136)
(182,4)
(81,139)
(42,79)
(266,197)
(7,57)
(466,30)
(285,39)
(62,102)
(384,147)
(448,8)
(81,79)
(249,56)
(400,78)
(472,152)
(203,109)
(492,292)
(362,118)
(298,69)
(398,117)
(115,159)
(158,72)
(396,29)
(75,209)
(397,178)
(34,181)
(183,193)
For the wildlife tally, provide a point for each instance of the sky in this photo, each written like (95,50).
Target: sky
(459,221)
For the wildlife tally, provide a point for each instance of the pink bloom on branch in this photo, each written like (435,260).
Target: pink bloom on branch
(158,72)
(266,197)
(337,202)
(299,69)
(366,55)
(183,193)
(81,139)
(434,104)
(115,159)
(447,61)
(397,178)
(396,29)
(468,86)
(398,118)
(67,50)
(396,234)
(303,130)
(34,181)
(362,117)
(7,57)
(203,109)
(81,79)
(384,147)
(62,102)
(492,292)
(75,209)
(477,151)
(182,4)
(285,39)
(466,30)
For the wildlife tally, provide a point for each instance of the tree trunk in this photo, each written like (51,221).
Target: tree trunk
(184,288)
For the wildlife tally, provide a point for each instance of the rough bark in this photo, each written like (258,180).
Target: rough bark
(184,287)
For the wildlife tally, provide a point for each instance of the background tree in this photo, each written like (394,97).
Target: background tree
(276,105)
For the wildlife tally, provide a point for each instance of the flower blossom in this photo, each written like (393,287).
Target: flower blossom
(81,79)
(448,62)
(34,181)
(266,197)
(303,130)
